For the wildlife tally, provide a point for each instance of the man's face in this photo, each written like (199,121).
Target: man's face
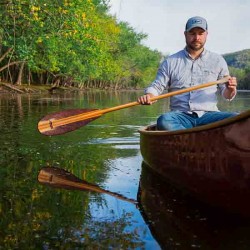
(196,38)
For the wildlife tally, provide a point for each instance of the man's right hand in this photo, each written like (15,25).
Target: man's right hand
(145,99)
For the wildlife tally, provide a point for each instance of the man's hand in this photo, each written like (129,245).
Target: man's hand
(145,99)
(232,83)
(231,88)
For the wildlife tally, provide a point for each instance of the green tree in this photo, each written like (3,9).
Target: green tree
(70,42)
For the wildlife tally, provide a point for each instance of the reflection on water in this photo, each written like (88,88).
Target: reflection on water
(60,178)
(38,217)
(115,140)
(105,152)
(134,139)
(178,221)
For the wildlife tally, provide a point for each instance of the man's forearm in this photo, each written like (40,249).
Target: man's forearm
(229,93)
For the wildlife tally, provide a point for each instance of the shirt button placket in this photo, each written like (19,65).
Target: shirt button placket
(192,73)
(192,84)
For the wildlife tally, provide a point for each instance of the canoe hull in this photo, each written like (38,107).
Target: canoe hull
(211,162)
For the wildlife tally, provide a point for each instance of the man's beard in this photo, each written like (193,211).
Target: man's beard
(195,47)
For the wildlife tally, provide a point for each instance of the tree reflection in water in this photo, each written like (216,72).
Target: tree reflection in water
(106,153)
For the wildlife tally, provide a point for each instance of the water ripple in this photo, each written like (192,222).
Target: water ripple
(115,140)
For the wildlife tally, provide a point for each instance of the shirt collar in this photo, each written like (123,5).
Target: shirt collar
(202,55)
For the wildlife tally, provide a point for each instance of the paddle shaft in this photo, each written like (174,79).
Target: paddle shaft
(178,92)
(52,123)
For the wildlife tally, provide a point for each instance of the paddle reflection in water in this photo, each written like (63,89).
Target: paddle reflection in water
(60,178)
(178,221)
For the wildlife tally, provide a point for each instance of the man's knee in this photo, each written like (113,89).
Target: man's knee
(167,121)
(162,123)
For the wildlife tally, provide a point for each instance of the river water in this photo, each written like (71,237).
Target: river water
(106,152)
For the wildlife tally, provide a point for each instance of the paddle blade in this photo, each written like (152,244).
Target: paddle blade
(62,122)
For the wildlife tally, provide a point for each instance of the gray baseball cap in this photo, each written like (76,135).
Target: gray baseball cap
(196,22)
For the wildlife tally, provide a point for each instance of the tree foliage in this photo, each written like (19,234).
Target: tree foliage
(239,66)
(71,42)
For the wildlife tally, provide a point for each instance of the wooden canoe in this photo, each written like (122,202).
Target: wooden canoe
(211,162)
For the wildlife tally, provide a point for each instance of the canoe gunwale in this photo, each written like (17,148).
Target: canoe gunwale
(148,129)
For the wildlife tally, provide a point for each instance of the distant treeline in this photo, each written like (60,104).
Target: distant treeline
(78,43)
(239,66)
(71,42)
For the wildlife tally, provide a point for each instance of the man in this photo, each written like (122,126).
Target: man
(192,66)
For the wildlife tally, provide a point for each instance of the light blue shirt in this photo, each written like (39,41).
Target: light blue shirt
(180,71)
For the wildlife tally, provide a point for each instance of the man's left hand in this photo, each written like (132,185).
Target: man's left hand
(232,84)
(231,88)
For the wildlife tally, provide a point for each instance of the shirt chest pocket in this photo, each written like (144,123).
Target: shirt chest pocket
(208,75)
(207,72)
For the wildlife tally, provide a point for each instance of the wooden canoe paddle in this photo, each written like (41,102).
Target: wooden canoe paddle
(60,178)
(69,120)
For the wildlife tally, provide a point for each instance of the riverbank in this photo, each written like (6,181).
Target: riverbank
(40,89)
(32,89)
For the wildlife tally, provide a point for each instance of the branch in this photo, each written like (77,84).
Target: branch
(11,87)
(5,54)
(10,64)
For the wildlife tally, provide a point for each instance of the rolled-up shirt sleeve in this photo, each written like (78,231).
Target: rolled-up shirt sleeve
(224,72)
(161,81)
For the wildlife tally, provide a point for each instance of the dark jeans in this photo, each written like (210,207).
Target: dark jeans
(177,120)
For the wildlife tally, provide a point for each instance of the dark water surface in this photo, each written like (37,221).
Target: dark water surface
(106,153)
